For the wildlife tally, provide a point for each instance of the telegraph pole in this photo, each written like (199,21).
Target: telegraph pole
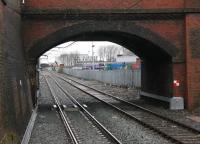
(92,56)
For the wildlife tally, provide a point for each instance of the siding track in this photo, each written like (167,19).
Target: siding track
(168,128)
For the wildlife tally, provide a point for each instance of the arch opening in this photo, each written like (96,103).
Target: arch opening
(155,53)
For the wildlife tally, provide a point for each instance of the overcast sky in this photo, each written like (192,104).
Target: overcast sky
(69,47)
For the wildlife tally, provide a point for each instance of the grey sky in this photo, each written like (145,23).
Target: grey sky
(82,48)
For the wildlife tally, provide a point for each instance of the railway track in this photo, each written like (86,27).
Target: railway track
(62,115)
(168,128)
(76,122)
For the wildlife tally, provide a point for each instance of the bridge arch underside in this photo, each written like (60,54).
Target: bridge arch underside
(155,52)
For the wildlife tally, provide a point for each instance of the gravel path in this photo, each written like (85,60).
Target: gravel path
(49,129)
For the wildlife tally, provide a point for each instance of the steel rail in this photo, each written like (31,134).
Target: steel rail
(133,117)
(137,106)
(91,117)
(62,115)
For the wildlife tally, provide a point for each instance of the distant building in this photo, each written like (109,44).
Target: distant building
(76,60)
(85,58)
(126,58)
(137,64)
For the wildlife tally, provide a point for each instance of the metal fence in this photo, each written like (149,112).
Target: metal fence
(115,77)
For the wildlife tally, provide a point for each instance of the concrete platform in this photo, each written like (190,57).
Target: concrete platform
(175,103)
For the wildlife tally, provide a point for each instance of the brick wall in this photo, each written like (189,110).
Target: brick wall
(173,30)
(15,102)
(170,30)
(114,4)
(15,99)
(179,73)
(111,4)
(2,73)
(103,4)
(192,3)
(193,59)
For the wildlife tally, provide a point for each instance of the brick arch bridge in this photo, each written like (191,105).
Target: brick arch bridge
(164,33)
(156,52)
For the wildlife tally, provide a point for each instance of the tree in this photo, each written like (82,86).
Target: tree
(108,53)
(69,59)
(101,53)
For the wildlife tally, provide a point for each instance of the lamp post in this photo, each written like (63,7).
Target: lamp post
(92,56)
